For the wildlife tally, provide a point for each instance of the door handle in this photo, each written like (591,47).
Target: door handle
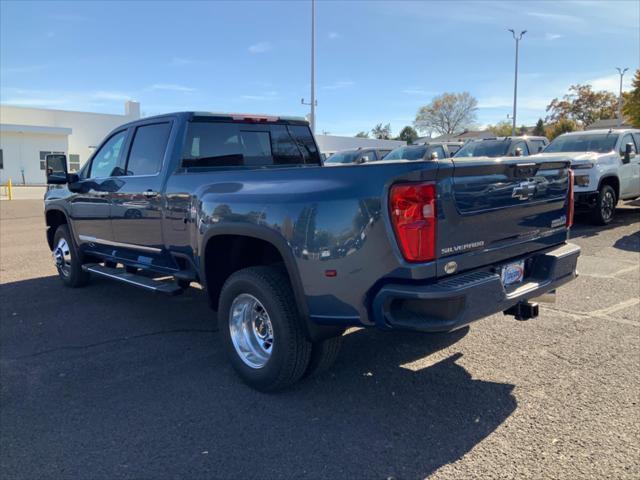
(150,194)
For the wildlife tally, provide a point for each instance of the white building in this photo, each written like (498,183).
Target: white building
(330,143)
(28,134)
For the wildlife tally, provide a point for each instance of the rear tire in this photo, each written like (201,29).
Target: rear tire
(261,328)
(323,356)
(67,259)
(605,208)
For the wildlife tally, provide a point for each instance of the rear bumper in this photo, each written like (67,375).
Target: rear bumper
(461,299)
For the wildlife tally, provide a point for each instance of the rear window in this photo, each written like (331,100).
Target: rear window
(407,153)
(600,143)
(228,144)
(484,148)
(343,157)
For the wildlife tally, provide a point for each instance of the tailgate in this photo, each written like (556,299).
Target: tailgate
(502,208)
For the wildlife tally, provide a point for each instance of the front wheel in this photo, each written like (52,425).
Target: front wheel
(605,207)
(67,259)
(261,328)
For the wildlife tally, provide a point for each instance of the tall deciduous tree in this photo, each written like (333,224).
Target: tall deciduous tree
(539,128)
(500,129)
(563,125)
(408,134)
(631,105)
(381,132)
(583,105)
(447,114)
(362,135)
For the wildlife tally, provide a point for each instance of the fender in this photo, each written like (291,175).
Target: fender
(313,331)
(607,176)
(48,209)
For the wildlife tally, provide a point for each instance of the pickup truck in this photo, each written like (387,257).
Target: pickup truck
(291,253)
(425,151)
(606,167)
(503,147)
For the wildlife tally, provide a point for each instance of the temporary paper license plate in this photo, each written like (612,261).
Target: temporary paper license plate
(513,273)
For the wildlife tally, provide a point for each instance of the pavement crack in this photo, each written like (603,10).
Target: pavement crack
(112,340)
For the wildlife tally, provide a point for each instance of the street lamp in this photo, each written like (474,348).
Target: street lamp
(313,103)
(621,72)
(517,38)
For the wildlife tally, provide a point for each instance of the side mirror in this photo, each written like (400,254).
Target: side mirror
(629,153)
(518,152)
(434,156)
(363,159)
(57,173)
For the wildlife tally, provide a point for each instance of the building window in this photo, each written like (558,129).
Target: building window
(74,162)
(43,158)
(1,160)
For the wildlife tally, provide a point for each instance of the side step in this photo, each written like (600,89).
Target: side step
(170,288)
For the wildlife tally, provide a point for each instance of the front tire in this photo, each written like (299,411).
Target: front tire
(605,207)
(67,259)
(261,330)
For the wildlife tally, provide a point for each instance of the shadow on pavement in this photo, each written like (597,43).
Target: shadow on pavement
(109,382)
(582,226)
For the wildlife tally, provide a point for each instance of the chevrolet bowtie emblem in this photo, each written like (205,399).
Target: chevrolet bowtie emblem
(524,190)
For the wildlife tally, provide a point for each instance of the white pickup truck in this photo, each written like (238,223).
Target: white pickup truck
(606,168)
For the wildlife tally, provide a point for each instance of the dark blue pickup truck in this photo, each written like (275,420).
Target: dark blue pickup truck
(292,253)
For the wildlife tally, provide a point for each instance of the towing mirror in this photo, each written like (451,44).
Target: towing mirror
(518,152)
(363,159)
(629,153)
(434,156)
(56,169)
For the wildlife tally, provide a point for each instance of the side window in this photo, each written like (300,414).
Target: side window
(537,145)
(370,154)
(286,151)
(105,161)
(623,144)
(74,162)
(147,149)
(438,150)
(523,146)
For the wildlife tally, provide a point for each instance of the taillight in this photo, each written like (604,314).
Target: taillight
(413,216)
(571,201)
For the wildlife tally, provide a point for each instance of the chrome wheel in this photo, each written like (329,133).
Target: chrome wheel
(251,330)
(607,205)
(62,257)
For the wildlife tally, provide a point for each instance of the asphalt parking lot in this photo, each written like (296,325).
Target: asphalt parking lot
(113,382)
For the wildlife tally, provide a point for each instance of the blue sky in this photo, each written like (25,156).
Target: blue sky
(376,61)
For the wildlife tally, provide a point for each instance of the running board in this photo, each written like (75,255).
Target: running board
(169,288)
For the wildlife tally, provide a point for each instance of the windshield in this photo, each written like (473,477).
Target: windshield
(600,143)
(343,157)
(406,153)
(484,148)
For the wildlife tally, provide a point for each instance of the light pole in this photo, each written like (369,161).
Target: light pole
(621,72)
(517,38)
(313,103)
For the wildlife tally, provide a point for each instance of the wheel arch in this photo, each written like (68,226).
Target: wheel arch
(613,181)
(254,235)
(54,217)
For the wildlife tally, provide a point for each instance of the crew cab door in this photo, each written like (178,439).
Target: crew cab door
(137,205)
(629,173)
(90,206)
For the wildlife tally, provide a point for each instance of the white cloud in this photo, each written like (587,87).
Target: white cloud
(612,82)
(260,47)
(171,86)
(339,84)
(77,100)
(552,36)
(333,35)
(556,17)
(266,96)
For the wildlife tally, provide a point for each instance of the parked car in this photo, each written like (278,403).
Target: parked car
(606,167)
(503,147)
(291,253)
(425,151)
(356,155)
